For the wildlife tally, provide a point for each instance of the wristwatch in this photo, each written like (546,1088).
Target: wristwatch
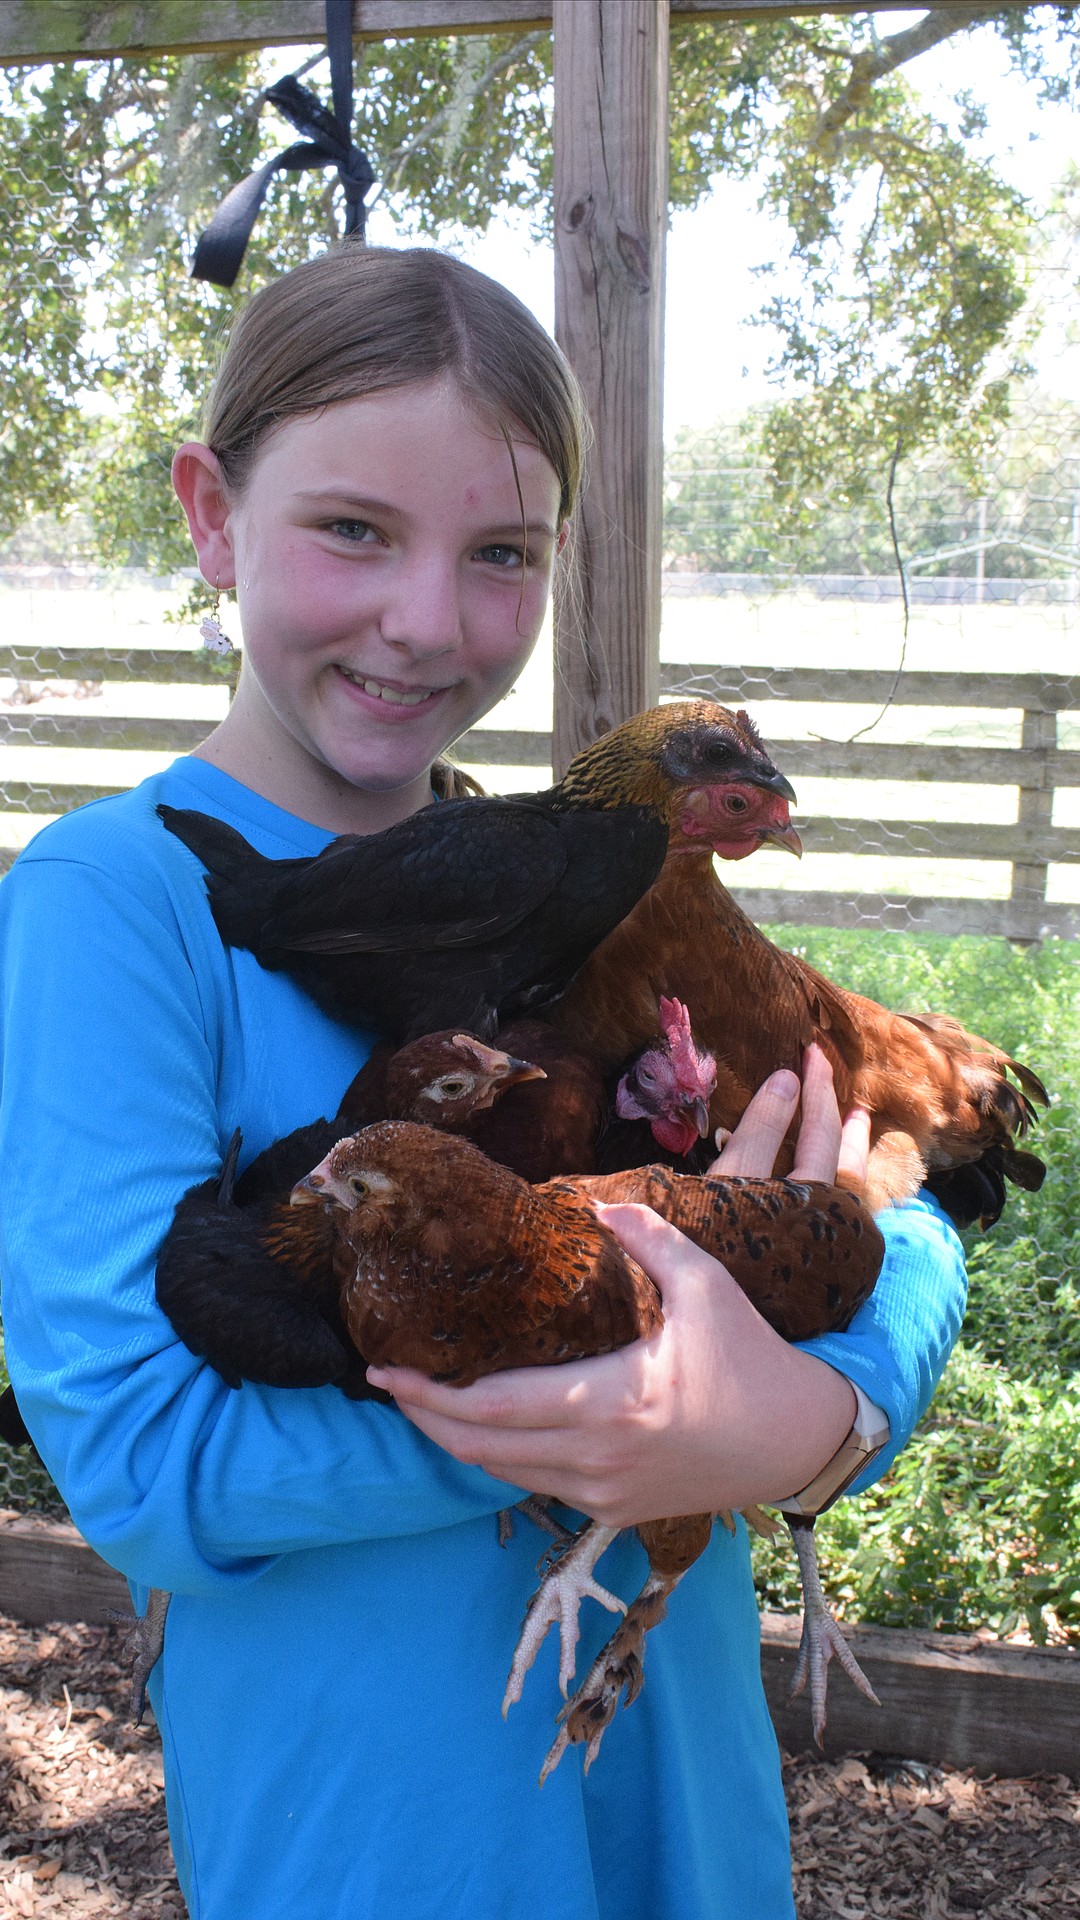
(868,1435)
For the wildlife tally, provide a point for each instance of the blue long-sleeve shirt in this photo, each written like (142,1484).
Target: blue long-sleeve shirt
(343,1617)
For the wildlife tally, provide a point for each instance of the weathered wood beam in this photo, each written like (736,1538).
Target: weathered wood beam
(41,30)
(946,1698)
(47,1572)
(610,191)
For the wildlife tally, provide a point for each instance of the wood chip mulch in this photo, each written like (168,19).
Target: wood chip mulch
(82,1821)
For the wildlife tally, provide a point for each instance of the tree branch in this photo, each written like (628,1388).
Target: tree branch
(393,162)
(875,62)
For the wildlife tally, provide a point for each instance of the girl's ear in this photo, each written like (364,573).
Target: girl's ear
(200,488)
(563,536)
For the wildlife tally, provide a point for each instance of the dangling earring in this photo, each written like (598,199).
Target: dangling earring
(214,637)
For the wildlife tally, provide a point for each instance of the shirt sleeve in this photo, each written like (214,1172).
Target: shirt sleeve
(110,1108)
(897,1345)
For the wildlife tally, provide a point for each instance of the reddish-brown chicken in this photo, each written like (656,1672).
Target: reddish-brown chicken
(450,1264)
(940,1098)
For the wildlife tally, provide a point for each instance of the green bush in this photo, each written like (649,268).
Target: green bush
(977,1525)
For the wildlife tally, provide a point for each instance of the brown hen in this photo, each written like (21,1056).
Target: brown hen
(940,1098)
(450,1264)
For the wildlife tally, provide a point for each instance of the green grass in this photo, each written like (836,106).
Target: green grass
(978,1523)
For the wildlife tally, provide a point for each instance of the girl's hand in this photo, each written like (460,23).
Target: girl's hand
(715,1410)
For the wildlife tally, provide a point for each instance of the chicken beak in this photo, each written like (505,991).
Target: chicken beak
(697,1111)
(504,1073)
(308,1192)
(774,782)
(503,1070)
(516,1072)
(785,837)
(320,1187)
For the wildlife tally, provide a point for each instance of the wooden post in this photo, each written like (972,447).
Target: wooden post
(1035,810)
(611,145)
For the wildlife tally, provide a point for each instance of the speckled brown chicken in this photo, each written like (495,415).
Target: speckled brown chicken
(247,1281)
(450,1264)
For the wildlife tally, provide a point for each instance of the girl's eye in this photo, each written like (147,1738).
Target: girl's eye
(498,555)
(359,532)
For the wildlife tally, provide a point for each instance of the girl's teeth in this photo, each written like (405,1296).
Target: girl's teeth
(378,692)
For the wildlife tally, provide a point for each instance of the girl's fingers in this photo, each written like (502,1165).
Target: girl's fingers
(824,1146)
(526,1397)
(817,1150)
(756,1140)
(854,1150)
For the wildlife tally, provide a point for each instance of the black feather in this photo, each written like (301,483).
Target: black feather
(463,914)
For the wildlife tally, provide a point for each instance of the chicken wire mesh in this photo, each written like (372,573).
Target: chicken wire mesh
(907,640)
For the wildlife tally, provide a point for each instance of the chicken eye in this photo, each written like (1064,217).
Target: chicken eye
(736,803)
(451,1086)
(646,1077)
(359,1186)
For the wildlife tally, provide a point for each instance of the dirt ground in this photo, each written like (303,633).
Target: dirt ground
(83,1824)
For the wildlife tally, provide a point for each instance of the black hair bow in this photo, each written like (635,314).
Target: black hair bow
(328,142)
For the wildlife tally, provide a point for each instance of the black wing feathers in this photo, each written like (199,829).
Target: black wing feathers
(465,914)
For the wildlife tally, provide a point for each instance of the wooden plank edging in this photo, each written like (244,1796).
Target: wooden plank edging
(950,1699)
(946,1698)
(48,1572)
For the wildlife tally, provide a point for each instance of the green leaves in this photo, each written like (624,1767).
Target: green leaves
(901,314)
(978,1522)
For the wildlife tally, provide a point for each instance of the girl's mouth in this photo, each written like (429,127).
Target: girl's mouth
(394,696)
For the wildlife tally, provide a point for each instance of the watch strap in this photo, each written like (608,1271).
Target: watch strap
(867,1436)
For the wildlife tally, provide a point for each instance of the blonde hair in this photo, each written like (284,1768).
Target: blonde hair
(361,320)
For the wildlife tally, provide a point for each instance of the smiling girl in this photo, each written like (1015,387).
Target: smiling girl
(392,451)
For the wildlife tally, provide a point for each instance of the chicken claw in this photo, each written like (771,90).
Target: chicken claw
(144,1646)
(537,1509)
(821,1637)
(619,1664)
(565,1584)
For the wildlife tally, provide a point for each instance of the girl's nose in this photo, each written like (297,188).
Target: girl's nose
(422,612)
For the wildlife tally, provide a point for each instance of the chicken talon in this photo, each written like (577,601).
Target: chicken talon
(822,1640)
(567,1582)
(618,1666)
(145,1644)
(536,1508)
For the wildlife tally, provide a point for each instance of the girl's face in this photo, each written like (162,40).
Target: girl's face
(391,584)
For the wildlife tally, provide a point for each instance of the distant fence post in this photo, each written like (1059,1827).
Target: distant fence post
(1034,815)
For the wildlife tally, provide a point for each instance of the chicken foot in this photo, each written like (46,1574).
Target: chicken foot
(822,1639)
(144,1646)
(536,1508)
(566,1582)
(619,1664)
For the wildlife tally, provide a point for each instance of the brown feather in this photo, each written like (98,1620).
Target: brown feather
(938,1096)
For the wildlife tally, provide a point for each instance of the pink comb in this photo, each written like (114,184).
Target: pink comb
(693,1068)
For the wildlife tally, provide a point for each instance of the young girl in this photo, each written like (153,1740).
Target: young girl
(392,453)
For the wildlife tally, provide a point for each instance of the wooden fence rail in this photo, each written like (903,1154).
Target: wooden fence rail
(1035,769)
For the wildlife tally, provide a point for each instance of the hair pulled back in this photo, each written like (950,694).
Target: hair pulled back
(361,320)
